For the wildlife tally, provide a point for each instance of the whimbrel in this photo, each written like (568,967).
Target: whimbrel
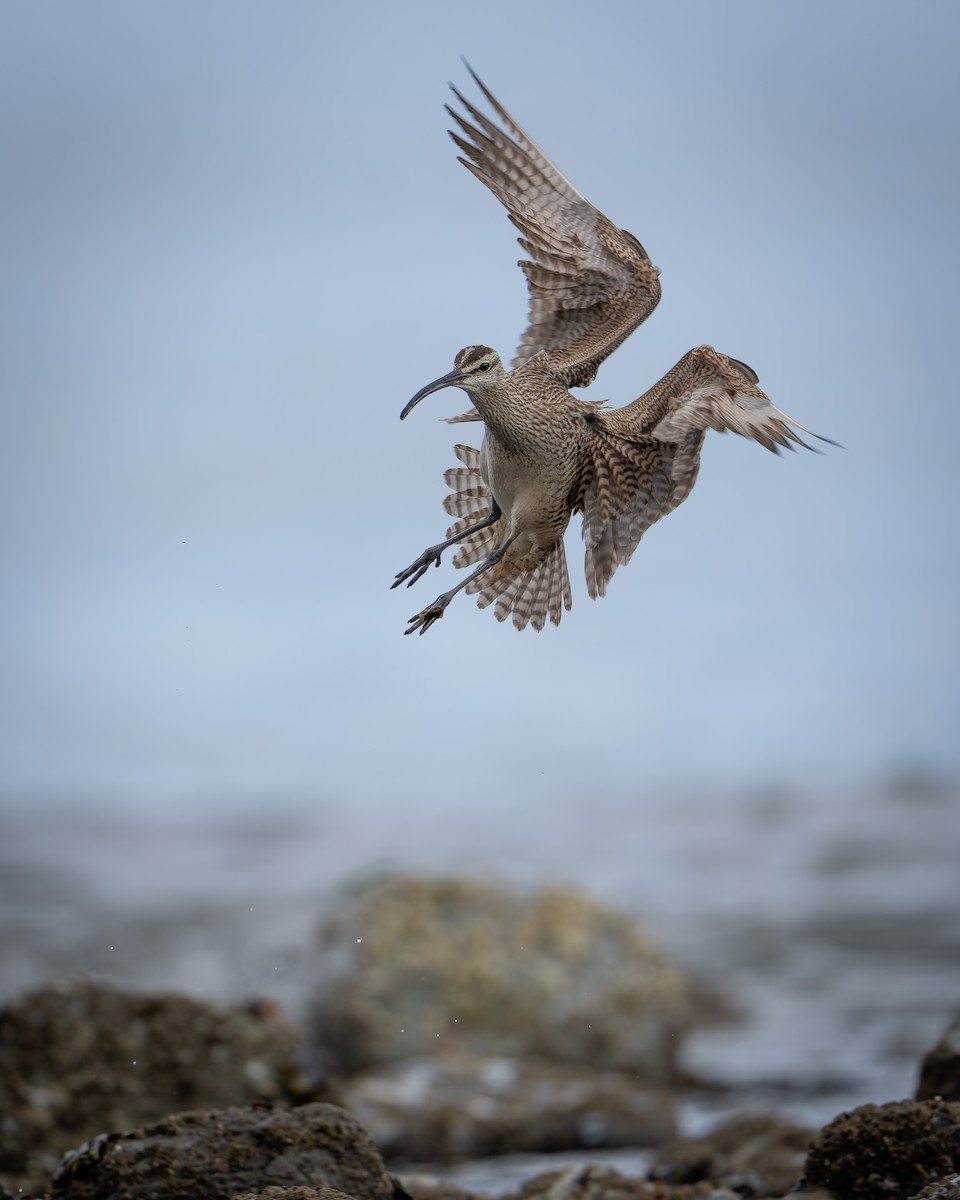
(546,454)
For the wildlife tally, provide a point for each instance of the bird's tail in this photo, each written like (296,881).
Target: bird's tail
(528,593)
(471,500)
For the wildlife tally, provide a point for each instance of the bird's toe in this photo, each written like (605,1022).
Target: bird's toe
(423,620)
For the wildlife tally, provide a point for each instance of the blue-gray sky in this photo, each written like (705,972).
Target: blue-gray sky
(235,240)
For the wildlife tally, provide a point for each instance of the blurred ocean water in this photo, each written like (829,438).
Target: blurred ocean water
(829,920)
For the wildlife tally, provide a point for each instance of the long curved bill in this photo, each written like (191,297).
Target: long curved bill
(449,380)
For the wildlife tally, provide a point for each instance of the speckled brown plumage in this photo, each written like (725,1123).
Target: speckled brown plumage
(546,454)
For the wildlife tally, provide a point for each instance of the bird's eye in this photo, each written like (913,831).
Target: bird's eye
(484,366)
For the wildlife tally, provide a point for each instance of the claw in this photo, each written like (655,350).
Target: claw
(425,619)
(418,568)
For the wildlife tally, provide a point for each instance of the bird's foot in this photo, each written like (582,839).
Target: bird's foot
(423,620)
(418,568)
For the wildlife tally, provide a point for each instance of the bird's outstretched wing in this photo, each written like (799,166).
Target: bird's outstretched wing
(709,390)
(591,284)
(629,485)
(644,457)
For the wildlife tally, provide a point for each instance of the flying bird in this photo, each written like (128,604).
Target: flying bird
(545,453)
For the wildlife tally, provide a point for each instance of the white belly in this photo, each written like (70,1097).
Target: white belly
(524,494)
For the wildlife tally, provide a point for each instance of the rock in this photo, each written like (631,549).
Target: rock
(604,1183)
(754,1155)
(218,1155)
(293,1193)
(890,1150)
(414,966)
(78,1058)
(444,1109)
(947,1188)
(940,1069)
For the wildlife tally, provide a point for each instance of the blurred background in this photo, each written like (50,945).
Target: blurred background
(235,240)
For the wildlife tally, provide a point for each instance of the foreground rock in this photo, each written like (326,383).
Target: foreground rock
(78,1058)
(292,1193)
(890,1150)
(940,1069)
(414,966)
(218,1155)
(753,1155)
(944,1189)
(604,1183)
(445,1109)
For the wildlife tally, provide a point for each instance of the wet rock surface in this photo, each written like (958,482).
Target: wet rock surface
(605,1183)
(940,1069)
(217,1155)
(415,965)
(453,1108)
(321,1152)
(294,1193)
(947,1188)
(754,1155)
(891,1150)
(580,1010)
(79,1058)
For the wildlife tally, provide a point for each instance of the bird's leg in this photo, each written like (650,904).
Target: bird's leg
(434,611)
(432,554)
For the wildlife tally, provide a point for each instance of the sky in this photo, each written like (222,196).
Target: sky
(236,240)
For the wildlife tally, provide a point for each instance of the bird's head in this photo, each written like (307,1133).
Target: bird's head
(475,369)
